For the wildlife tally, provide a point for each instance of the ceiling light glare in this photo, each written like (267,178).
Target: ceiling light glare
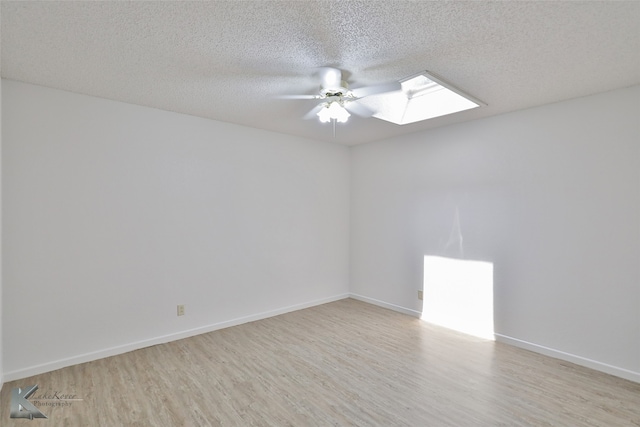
(422,97)
(333,111)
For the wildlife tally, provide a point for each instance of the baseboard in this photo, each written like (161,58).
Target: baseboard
(114,351)
(383,304)
(557,354)
(578,360)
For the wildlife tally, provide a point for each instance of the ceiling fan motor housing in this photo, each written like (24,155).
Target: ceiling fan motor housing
(340,91)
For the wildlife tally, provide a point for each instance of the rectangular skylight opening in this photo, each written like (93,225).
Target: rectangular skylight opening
(423,96)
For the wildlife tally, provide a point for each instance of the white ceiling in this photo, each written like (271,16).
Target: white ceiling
(229,60)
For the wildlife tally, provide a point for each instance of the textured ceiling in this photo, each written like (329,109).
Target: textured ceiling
(229,60)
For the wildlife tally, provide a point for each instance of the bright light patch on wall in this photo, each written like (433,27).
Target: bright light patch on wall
(422,97)
(458,294)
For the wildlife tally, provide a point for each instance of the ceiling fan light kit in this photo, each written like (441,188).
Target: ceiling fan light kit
(333,110)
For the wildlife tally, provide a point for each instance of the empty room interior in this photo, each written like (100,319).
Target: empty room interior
(284,213)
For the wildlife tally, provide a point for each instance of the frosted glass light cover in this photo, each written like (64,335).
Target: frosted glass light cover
(333,111)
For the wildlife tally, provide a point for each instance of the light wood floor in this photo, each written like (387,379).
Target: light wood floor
(345,363)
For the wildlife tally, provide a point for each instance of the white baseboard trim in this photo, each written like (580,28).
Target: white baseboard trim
(578,360)
(557,354)
(114,351)
(383,304)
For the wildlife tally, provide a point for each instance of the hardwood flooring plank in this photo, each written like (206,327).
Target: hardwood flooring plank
(345,363)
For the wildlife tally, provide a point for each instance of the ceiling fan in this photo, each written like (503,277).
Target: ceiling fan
(337,100)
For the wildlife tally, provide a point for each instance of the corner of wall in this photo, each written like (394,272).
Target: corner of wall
(1,369)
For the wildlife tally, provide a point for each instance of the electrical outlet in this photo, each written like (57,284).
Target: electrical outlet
(181,310)
(420,295)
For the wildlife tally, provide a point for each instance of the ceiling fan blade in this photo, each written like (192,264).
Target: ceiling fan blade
(361,92)
(314,112)
(359,109)
(331,77)
(297,97)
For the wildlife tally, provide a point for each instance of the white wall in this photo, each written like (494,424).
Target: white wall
(116,213)
(1,340)
(550,196)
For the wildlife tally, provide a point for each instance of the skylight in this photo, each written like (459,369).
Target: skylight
(422,97)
